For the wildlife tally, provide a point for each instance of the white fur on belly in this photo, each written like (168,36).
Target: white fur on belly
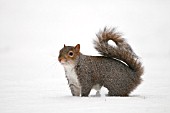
(71,75)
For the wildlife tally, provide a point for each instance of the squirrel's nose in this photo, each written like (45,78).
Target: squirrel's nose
(59,59)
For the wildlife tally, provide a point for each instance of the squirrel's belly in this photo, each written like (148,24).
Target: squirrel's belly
(71,75)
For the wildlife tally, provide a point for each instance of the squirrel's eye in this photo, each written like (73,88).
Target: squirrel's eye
(70,53)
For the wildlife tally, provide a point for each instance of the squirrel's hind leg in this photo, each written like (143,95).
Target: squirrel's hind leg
(115,91)
(111,93)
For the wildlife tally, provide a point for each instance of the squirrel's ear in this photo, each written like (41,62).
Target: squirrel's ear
(77,47)
(64,45)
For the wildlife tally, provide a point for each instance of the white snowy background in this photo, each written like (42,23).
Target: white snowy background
(33,31)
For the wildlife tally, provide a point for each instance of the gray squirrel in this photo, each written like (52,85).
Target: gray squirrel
(118,69)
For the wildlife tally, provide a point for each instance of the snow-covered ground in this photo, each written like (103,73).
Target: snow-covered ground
(33,31)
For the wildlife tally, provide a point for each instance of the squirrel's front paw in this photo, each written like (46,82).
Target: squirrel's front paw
(74,90)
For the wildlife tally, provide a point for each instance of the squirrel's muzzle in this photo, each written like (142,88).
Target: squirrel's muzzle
(59,59)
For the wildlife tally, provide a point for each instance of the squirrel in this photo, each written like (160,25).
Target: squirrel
(118,69)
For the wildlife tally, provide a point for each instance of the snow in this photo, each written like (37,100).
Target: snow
(32,33)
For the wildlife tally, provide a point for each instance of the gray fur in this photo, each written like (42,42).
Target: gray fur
(119,69)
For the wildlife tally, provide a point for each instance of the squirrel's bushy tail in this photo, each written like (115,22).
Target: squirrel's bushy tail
(122,51)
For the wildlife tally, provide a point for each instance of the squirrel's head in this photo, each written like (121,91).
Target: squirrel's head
(68,54)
